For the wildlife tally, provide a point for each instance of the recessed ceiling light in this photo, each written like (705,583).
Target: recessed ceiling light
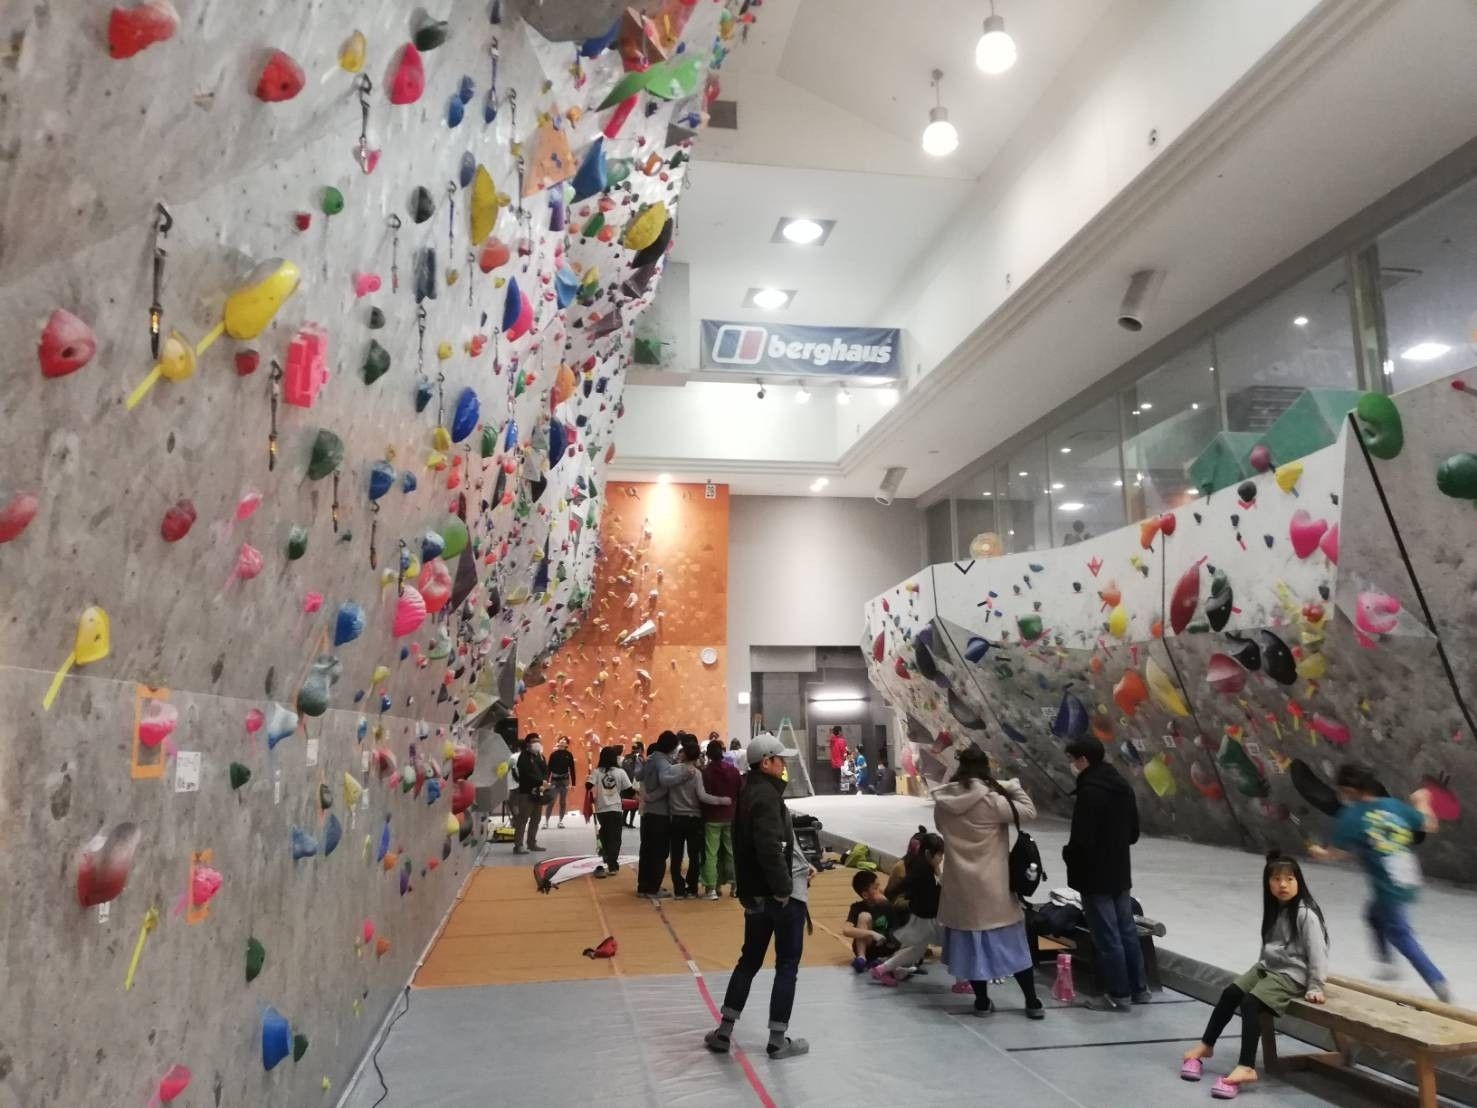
(1194,405)
(1212,369)
(987,492)
(1300,321)
(804,232)
(1071,506)
(1024,473)
(1145,406)
(1118,484)
(1066,450)
(1058,485)
(769,299)
(802,395)
(1424,351)
(1012,533)
(663,478)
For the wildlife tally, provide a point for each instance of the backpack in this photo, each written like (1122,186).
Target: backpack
(1026,870)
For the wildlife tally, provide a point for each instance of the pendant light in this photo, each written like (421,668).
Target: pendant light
(995,52)
(940,139)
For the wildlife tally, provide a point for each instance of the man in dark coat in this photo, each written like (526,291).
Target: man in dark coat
(772,877)
(1105,823)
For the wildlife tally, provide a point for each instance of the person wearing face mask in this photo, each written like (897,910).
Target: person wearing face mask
(1105,823)
(533,776)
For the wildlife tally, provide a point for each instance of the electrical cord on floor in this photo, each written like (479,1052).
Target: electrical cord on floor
(375,1057)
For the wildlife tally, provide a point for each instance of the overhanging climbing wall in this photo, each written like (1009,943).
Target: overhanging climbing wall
(1231,653)
(288,528)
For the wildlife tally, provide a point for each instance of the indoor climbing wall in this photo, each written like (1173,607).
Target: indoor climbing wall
(321,314)
(650,656)
(1231,653)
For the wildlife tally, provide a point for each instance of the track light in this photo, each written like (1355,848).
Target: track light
(940,138)
(762,392)
(995,52)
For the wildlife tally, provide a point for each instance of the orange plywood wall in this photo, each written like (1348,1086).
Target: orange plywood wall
(664,557)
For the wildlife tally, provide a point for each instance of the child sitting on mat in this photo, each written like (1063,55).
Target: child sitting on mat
(920,889)
(869,923)
(1294,964)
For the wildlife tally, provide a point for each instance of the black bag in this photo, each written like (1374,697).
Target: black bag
(1026,870)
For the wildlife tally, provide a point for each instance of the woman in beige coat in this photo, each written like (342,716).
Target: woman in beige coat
(984,931)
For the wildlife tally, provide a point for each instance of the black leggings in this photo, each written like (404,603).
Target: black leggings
(1251,1022)
(1026,979)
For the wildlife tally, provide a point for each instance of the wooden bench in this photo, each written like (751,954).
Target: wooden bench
(1084,955)
(1413,1028)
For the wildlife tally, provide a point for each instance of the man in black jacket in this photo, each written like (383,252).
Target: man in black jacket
(1105,823)
(533,774)
(772,878)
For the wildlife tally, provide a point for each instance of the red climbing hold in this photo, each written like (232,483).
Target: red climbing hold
(1186,598)
(281,79)
(246,362)
(67,344)
(177,520)
(16,515)
(463,793)
(133,29)
(879,645)
(408,78)
(105,863)
(1167,524)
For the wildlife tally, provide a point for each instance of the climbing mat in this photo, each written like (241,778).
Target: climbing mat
(1229,654)
(504,931)
(323,314)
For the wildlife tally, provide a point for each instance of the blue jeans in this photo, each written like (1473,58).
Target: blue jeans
(1389,926)
(1120,959)
(765,920)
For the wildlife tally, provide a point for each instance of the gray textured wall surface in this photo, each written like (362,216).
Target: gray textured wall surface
(90,145)
(1218,751)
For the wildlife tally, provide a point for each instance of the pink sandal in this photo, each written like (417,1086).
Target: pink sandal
(963,988)
(1192,1069)
(1224,1090)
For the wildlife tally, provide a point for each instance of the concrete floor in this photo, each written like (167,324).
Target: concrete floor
(1208,897)
(636,1041)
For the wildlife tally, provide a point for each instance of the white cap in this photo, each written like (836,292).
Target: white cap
(767,746)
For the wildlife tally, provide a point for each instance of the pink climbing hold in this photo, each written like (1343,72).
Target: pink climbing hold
(156,722)
(176,1081)
(1376,613)
(1332,730)
(1224,675)
(436,584)
(249,562)
(312,602)
(16,515)
(1329,544)
(366,283)
(250,501)
(67,344)
(1260,457)
(282,79)
(410,612)
(177,521)
(408,78)
(254,721)
(1306,532)
(1444,802)
(131,30)
(205,882)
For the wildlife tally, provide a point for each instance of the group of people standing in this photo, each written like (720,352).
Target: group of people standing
(688,800)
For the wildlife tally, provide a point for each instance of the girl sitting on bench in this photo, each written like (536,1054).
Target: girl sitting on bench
(1294,964)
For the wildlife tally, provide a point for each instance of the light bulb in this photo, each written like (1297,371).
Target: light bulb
(995,51)
(940,139)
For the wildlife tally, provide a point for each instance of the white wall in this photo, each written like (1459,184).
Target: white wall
(800,570)
(716,421)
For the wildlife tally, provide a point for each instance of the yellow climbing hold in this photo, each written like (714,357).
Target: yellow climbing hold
(444,351)
(252,306)
(484,205)
(352,53)
(1162,688)
(1118,622)
(1288,476)
(441,438)
(643,230)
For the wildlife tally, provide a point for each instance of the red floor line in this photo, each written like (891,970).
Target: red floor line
(702,987)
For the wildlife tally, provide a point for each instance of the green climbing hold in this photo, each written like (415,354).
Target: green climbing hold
(489,441)
(327,456)
(239,776)
(1457,476)
(299,1046)
(376,362)
(1379,425)
(256,957)
(1030,627)
(454,533)
(333,201)
(594,225)
(297,542)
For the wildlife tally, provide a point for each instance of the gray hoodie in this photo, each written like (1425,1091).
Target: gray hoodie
(685,797)
(657,779)
(1305,958)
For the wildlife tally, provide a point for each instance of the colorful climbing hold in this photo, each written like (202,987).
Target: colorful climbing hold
(281,78)
(407,77)
(67,344)
(131,30)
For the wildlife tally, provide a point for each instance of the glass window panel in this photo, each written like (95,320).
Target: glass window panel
(940,533)
(1428,272)
(1298,340)
(1025,508)
(975,514)
(1086,475)
(1169,416)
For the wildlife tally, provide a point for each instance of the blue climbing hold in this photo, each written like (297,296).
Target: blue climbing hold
(594,47)
(566,284)
(432,544)
(276,1038)
(512,304)
(558,442)
(349,624)
(464,419)
(466,90)
(422,394)
(468,169)
(456,111)
(510,435)
(976,649)
(433,791)
(384,844)
(381,479)
(592,176)
(407,481)
(303,846)
(333,831)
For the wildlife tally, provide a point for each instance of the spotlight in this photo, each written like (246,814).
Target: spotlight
(762,392)
(1143,288)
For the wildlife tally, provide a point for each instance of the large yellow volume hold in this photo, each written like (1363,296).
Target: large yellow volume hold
(252,306)
(643,230)
(484,205)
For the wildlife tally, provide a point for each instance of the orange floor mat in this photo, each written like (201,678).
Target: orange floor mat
(504,932)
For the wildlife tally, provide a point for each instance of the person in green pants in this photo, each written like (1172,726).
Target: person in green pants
(720,778)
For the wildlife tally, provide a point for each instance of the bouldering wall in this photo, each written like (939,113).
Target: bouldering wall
(637,666)
(1232,653)
(320,315)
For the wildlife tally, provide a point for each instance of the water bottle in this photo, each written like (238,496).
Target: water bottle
(1062,988)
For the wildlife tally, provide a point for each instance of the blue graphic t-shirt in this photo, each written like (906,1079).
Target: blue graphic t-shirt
(1381,833)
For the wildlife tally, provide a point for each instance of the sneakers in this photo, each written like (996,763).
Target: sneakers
(1442,989)
(1036,1011)
(539,849)
(599,871)
(884,977)
(717,1042)
(681,894)
(519,850)
(1145,997)
(711,894)
(1387,971)
(987,1010)
(858,964)
(793,1048)
(561,822)
(1109,1004)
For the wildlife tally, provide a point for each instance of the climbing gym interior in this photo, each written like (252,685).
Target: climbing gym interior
(413,405)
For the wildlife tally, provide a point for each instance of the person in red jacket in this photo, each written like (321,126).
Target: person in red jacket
(838,753)
(720,778)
